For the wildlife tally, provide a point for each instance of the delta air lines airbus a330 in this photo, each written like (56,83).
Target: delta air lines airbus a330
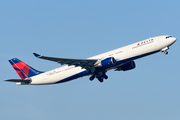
(121,59)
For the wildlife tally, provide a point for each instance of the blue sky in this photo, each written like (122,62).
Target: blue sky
(81,29)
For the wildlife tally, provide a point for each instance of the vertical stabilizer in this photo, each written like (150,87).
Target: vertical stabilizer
(22,69)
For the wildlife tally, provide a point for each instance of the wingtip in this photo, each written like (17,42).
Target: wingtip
(36,55)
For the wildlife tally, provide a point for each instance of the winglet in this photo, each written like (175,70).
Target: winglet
(37,55)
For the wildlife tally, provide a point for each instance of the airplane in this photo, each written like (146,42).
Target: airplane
(121,59)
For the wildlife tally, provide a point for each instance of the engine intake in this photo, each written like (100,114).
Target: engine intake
(127,66)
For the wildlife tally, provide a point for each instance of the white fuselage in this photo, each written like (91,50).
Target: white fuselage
(125,54)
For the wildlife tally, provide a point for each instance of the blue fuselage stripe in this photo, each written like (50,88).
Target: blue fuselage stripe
(81,74)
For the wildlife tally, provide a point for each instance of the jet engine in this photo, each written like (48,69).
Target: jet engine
(106,62)
(127,66)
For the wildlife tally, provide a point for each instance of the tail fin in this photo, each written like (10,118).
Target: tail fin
(22,69)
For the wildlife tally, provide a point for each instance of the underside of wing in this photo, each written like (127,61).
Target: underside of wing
(84,63)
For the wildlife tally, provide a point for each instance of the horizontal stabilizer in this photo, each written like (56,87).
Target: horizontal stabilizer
(18,80)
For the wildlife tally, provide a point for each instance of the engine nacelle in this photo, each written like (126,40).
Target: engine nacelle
(106,62)
(127,66)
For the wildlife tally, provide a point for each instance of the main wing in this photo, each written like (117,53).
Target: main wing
(84,63)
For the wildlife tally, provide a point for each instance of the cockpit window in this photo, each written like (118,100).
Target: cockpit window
(168,37)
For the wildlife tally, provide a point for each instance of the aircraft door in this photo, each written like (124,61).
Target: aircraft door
(128,52)
(44,77)
(157,43)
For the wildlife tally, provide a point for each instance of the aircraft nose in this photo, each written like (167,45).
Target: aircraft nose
(173,39)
